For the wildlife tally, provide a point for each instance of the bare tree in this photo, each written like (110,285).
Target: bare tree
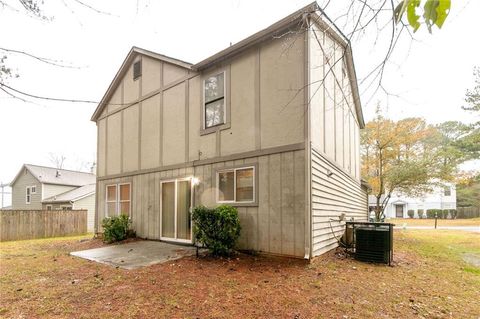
(58,160)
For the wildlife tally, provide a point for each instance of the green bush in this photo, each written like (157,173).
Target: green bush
(445,213)
(453,213)
(116,228)
(420,213)
(411,213)
(440,213)
(217,229)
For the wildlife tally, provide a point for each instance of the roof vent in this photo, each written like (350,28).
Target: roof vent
(57,174)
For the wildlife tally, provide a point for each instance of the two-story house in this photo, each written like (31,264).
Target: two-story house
(46,188)
(270,125)
(440,197)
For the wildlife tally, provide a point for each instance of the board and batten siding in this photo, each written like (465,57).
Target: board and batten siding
(333,192)
(334,123)
(156,120)
(276,225)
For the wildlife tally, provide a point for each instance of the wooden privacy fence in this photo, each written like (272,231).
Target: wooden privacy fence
(468,212)
(31,224)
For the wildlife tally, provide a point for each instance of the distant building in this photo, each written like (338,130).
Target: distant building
(399,205)
(38,187)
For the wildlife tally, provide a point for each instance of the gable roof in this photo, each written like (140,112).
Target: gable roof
(258,37)
(72,195)
(134,52)
(51,175)
(311,10)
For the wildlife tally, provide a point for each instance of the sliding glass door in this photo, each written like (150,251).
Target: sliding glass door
(176,202)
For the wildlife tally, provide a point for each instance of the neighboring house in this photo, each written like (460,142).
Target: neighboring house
(252,126)
(398,206)
(38,187)
(78,198)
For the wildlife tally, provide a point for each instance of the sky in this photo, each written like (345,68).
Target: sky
(426,77)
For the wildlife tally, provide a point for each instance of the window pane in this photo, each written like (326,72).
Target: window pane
(125,208)
(111,211)
(214,113)
(214,87)
(183,210)
(225,186)
(111,193)
(125,192)
(168,209)
(245,185)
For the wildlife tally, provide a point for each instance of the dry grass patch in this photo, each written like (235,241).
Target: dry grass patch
(38,279)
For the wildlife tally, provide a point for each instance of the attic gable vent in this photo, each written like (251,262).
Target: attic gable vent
(137,69)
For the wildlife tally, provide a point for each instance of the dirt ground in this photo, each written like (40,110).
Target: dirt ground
(429,279)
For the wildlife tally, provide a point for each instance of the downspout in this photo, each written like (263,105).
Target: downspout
(308,164)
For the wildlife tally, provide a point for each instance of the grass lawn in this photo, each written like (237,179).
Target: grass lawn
(429,279)
(431,222)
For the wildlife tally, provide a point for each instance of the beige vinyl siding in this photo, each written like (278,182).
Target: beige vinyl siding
(19,190)
(50,190)
(276,225)
(331,196)
(87,203)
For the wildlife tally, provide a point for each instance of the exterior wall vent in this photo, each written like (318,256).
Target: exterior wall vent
(137,69)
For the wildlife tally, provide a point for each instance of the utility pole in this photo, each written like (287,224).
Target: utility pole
(2,186)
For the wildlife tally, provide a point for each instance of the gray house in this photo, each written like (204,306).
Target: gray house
(47,188)
(270,125)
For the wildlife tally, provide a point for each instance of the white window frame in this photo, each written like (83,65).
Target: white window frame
(235,169)
(204,109)
(175,181)
(117,199)
(447,189)
(49,207)
(33,189)
(28,195)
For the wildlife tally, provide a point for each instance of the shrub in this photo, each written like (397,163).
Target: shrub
(217,229)
(410,213)
(420,213)
(445,213)
(116,228)
(440,213)
(453,213)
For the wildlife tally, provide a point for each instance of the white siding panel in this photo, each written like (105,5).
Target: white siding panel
(333,192)
(87,203)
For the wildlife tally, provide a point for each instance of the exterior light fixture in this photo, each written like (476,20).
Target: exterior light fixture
(195,181)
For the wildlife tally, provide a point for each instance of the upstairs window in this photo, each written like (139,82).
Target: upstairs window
(447,191)
(214,100)
(137,69)
(33,189)
(28,195)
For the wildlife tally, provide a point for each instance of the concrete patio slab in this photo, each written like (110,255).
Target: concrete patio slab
(136,254)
